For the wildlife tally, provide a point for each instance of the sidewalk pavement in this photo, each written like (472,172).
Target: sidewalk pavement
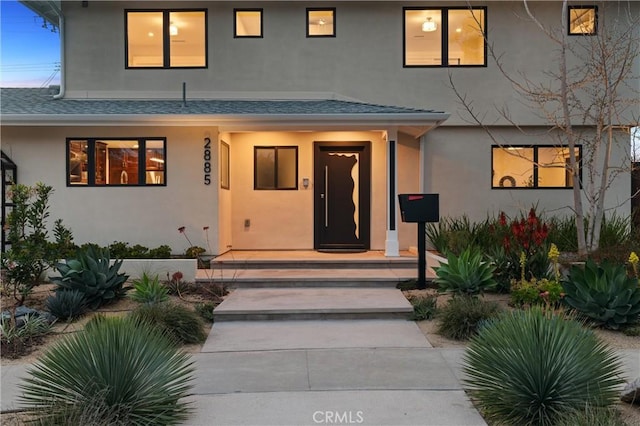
(324,372)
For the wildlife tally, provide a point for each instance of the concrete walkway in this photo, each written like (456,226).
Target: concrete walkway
(320,372)
(372,372)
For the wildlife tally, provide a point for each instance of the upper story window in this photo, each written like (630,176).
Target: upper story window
(247,23)
(532,166)
(321,22)
(166,38)
(275,167)
(445,37)
(116,162)
(583,20)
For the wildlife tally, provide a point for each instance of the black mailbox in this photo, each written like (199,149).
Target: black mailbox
(419,207)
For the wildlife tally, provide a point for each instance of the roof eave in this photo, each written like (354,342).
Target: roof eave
(413,123)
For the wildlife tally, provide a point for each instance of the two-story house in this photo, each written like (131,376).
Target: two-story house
(288,124)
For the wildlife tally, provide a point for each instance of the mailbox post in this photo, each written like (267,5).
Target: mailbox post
(420,209)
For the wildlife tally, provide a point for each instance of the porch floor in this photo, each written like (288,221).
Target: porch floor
(276,268)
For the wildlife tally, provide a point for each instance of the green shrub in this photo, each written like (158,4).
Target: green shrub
(67,304)
(632,331)
(119,370)
(16,340)
(149,289)
(604,293)
(178,322)
(194,252)
(91,274)
(424,307)
(461,317)
(531,368)
(469,274)
(205,310)
(536,292)
(31,252)
(160,252)
(592,416)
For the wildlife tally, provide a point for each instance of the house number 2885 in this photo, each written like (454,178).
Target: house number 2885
(207,161)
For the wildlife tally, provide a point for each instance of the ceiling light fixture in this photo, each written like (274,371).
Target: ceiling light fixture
(173,30)
(428,25)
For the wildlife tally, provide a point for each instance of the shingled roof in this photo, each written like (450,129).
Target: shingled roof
(36,106)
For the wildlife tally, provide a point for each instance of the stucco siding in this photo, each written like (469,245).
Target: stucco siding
(148,215)
(363,62)
(458,167)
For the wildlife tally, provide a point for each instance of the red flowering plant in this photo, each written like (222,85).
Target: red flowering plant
(523,236)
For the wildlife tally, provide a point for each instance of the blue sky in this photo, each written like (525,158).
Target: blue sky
(29,53)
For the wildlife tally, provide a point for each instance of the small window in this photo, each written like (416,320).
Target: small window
(445,37)
(116,162)
(321,22)
(276,167)
(247,23)
(583,20)
(532,167)
(166,39)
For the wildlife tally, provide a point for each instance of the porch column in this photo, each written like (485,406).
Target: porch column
(391,245)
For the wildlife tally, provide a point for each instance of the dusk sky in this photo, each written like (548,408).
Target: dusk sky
(30,54)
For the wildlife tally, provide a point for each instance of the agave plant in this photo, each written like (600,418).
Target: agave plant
(603,293)
(468,274)
(149,289)
(90,273)
(532,368)
(119,370)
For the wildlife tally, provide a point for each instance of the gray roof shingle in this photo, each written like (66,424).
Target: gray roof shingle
(38,101)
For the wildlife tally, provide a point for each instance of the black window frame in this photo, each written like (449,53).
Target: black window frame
(250,9)
(595,24)
(91,166)
(166,39)
(275,165)
(535,167)
(321,9)
(444,62)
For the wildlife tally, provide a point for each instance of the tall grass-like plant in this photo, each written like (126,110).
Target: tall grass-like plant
(532,368)
(463,316)
(468,274)
(119,370)
(176,321)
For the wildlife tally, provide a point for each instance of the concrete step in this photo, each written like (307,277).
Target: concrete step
(241,264)
(259,304)
(297,278)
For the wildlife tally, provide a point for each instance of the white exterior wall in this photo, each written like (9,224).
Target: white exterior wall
(458,167)
(283,219)
(151,215)
(146,215)
(363,62)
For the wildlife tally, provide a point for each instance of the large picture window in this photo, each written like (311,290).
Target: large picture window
(445,37)
(276,167)
(166,38)
(116,162)
(532,167)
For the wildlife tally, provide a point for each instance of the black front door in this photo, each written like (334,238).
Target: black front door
(342,185)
